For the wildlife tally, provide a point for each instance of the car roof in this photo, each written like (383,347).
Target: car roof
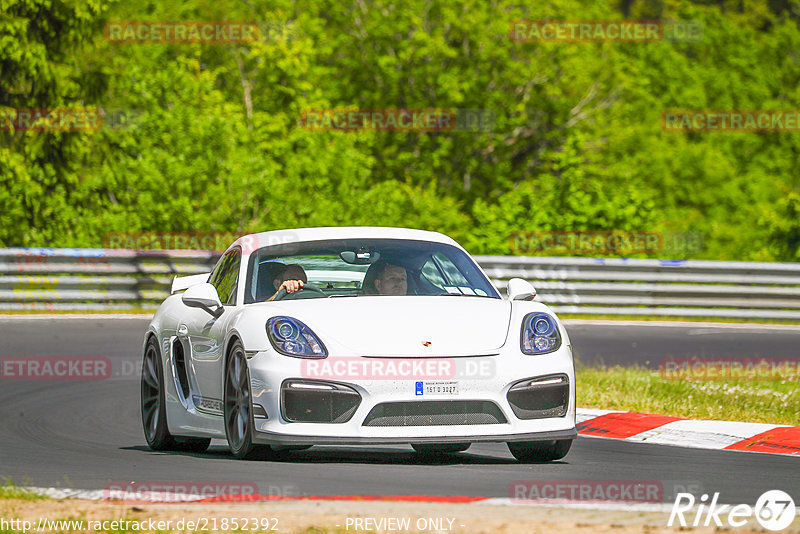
(252,242)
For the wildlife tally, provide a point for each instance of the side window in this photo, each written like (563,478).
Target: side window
(226,276)
(433,274)
(451,272)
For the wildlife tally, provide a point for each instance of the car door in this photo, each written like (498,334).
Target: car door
(205,337)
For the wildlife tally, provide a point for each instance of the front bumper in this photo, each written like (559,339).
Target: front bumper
(269,371)
(290,439)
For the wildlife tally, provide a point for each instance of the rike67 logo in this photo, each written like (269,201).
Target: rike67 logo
(774,510)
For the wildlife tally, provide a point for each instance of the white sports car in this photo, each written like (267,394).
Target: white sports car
(361,335)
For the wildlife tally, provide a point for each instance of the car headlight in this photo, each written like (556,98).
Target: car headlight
(291,337)
(539,334)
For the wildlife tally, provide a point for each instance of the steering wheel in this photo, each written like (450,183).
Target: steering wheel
(305,292)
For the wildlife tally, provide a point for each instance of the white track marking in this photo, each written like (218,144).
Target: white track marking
(702,434)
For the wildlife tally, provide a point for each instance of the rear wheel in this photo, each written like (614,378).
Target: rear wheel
(238,407)
(440,448)
(540,451)
(154,408)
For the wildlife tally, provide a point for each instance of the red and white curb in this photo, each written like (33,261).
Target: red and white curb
(158,498)
(693,433)
(177,498)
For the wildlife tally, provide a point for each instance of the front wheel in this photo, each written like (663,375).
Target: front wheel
(540,451)
(238,406)
(440,448)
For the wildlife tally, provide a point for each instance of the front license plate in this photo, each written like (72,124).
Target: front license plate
(436,388)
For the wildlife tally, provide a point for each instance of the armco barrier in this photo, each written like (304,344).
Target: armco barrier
(656,287)
(108,279)
(93,279)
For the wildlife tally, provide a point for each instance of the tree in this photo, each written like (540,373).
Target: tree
(40,171)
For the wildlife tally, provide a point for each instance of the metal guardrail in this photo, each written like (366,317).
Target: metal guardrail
(93,279)
(109,279)
(698,288)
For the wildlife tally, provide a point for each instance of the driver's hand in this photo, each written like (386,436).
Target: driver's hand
(291,285)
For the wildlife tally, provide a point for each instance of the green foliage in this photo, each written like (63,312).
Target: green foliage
(40,42)
(569,193)
(783,227)
(215,143)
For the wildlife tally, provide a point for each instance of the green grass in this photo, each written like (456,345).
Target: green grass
(643,390)
(9,490)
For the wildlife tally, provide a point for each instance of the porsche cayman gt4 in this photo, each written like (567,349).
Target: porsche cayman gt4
(355,336)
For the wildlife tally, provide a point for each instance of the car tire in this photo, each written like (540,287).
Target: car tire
(154,407)
(540,451)
(238,406)
(440,448)
(152,400)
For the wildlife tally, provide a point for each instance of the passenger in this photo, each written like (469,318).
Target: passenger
(384,278)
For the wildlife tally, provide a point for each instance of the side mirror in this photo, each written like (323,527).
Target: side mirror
(519,289)
(183,282)
(203,296)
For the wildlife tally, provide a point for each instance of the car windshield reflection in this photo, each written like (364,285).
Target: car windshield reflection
(365,268)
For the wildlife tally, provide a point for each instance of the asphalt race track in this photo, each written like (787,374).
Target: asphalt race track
(86,434)
(625,344)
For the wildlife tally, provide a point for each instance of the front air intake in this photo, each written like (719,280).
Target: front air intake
(540,398)
(435,413)
(311,401)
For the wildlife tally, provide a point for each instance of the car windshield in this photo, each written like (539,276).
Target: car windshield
(368,267)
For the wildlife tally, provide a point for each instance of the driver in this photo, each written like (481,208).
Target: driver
(292,278)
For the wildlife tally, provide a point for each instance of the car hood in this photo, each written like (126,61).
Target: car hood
(404,327)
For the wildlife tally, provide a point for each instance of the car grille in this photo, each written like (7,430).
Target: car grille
(434,413)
